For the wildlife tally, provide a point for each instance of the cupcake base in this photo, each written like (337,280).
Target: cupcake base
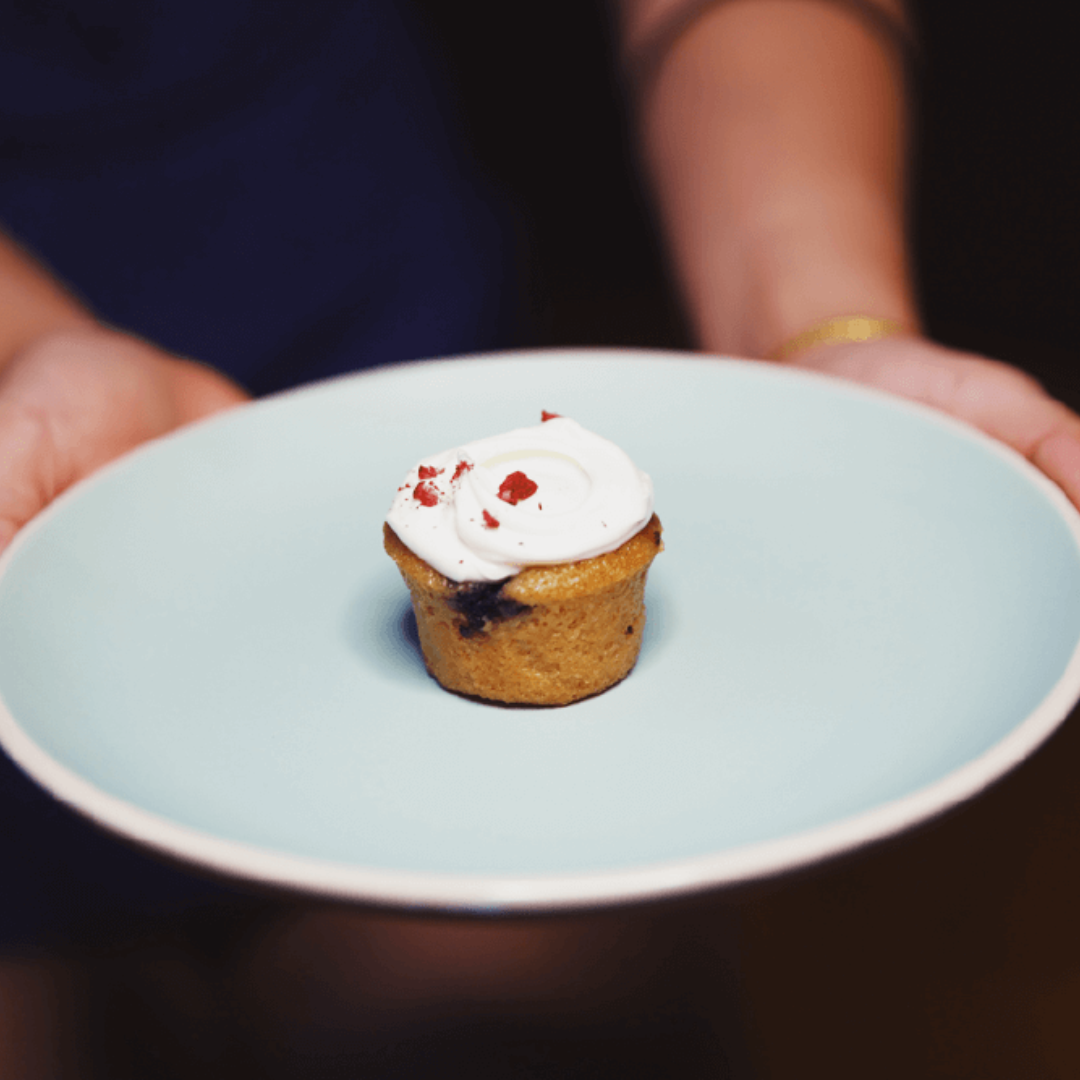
(549,635)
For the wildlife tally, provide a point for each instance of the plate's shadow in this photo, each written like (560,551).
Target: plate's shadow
(380,629)
(408,633)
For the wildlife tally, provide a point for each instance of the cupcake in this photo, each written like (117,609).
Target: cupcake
(526,555)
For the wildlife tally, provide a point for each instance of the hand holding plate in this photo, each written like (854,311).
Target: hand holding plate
(993,396)
(73,400)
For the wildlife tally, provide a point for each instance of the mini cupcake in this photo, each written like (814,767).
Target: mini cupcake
(526,556)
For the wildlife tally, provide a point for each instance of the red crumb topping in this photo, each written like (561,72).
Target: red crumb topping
(429,472)
(515,487)
(490,522)
(426,494)
(462,468)
(545,415)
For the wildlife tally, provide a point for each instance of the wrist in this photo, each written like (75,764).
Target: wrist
(821,253)
(838,330)
(33,304)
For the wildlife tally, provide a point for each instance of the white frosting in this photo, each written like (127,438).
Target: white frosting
(590,498)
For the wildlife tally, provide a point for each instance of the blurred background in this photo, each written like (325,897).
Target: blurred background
(950,952)
(954,951)
(996,229)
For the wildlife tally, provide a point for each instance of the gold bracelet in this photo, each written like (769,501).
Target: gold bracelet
(839,329)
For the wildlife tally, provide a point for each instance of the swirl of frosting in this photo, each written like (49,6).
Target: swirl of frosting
(554,493)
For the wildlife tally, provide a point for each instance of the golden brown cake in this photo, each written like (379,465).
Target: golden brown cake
(549,635)
(526,555)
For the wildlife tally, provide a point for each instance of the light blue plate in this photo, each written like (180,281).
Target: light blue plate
(865,613)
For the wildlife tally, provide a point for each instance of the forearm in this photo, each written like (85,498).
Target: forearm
(773,132)
(32,303)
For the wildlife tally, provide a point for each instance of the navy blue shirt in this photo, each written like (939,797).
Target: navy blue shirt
(271,187)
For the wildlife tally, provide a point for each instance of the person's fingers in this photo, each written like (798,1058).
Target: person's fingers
(200,391)
(73,402)
(26,464)
(996,398)
(1058,455)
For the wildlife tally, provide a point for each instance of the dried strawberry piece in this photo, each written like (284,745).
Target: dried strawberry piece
(545,415)
(429,472)
(515,487)
(426,493)
(490,522)
(462,468)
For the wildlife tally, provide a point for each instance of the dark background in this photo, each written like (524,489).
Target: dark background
(954,951)
(995,230)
